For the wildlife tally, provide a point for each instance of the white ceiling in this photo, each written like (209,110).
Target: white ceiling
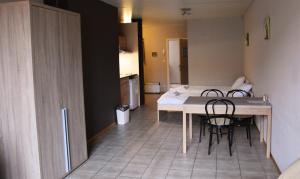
(170,9)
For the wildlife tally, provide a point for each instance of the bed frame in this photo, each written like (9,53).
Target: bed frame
(168,108)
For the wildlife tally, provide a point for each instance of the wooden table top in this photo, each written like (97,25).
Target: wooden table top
(254,101)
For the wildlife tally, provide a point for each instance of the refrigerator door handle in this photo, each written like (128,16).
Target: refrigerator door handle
(64,116)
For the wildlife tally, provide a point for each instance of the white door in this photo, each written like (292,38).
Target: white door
(174,61)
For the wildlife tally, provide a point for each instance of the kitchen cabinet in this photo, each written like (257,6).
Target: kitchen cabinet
(42,110)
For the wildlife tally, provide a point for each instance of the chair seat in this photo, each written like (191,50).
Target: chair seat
(219,121)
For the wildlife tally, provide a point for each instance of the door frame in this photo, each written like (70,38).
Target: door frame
(141,51)
(167,58)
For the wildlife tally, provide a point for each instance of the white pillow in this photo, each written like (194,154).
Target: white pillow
(246,87)
(238,95)
(238,82)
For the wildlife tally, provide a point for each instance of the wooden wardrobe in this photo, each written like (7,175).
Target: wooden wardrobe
(42,131)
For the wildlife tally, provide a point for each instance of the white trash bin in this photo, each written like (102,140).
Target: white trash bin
(123,114)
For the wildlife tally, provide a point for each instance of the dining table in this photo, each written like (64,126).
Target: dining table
(255,106)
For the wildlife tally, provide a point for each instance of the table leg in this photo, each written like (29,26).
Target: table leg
(191,126)
(184,133)
(269,135)
(261,122)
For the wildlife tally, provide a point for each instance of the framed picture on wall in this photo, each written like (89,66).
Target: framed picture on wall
(267,28)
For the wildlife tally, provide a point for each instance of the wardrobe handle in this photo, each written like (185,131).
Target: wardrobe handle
(64,116)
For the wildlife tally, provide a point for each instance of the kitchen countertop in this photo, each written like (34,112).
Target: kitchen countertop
(127,76)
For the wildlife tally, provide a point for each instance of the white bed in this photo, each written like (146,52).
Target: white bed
(173,99)
(179,94)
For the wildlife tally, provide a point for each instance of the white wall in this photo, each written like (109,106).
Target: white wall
(129,62)
(215,51)
(273,67)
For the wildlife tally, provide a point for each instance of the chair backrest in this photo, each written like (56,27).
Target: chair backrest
(238,93)
(212,93)
(213,114)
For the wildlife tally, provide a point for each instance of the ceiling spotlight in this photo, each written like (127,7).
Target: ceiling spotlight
(186,11)
(126,15)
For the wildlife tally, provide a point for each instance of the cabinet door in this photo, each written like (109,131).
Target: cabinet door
(18,135)
(72,85)
(46,55)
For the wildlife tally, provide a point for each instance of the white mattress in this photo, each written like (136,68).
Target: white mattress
(180,94)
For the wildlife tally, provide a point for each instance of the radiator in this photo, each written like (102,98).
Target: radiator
(152,87)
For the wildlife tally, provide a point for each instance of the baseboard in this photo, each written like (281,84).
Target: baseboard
(100,134)
(272,158)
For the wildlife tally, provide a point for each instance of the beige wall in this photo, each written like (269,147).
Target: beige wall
(273,67)
(155,35)
(215,51)
(129,61)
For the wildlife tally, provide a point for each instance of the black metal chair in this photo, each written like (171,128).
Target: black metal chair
(238,93)
(208,93)
(242,121)
(212,93)
(219,119)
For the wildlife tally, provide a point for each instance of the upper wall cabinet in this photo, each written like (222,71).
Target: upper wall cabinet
(42,131)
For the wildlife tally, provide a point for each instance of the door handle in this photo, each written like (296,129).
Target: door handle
(65,124)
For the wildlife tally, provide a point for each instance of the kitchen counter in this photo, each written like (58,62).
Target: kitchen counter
(130,76)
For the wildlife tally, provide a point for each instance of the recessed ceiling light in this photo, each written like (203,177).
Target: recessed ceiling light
(126,15)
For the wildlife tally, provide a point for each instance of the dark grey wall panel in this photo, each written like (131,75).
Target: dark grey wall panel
(99,23)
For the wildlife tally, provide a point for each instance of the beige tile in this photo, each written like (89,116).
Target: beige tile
(133,171)
(90,167)
(121,177)
(228,165)
(145,149)
(229,174)
(79,175)
(204,174)
(202,164)
(183,164)
(252,174)
(103,176)
(157,173)
(179,174)
(111,170)
(250,166)
(161,163)
(141,160)
(272,176)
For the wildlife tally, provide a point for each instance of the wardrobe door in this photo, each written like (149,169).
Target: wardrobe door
(46,55)
(72,85)
(18,136)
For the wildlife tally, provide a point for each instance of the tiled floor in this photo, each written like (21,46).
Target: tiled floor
(144,149)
